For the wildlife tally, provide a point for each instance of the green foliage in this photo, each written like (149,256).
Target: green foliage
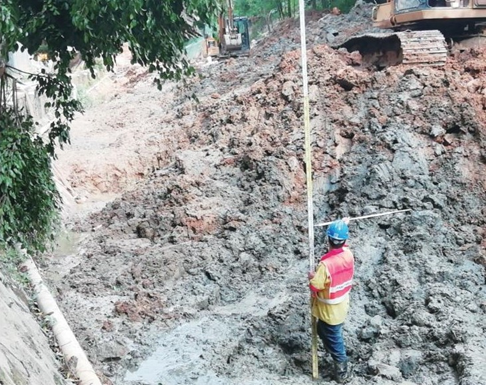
(28,195)
(284,8)
(154,30)
(287,8)
(344,5)
(254,7)
(10,259)
(59,89)
(84,98)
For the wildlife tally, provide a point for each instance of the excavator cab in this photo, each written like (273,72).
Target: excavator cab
(243,27)
(448,16)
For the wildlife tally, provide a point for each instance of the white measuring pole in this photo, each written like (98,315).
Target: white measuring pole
(308,170)
(308,149)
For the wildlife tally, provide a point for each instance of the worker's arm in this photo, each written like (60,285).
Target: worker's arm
(317,282)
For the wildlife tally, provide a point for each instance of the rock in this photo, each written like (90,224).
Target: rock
(372,329)
(367,334)
(449,139)
(438,150)
(473,85)
(376,322)
(112,351)
(128,308)
(422,318)
(410,361)
(288,90)
(245,259)
(437,131)
(386,371)
(147,283)
(313,93)
(144,230)
(331,35)
(107,326)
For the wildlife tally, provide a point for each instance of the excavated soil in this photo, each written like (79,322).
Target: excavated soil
(196,274)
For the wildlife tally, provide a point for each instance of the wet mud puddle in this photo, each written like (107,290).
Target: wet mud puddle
(189,353)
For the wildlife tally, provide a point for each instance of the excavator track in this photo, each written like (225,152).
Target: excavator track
(427,48)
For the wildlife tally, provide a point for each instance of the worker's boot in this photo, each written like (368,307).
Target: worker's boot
(341,374)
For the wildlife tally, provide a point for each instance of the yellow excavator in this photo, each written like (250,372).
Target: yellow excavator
(233,35)
(422,31)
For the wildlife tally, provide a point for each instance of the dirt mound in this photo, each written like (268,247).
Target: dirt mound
(204,263)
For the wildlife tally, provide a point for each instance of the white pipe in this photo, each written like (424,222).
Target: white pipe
(66,340)
(368,216)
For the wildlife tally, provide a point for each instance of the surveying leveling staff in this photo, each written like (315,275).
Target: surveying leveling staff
(331,284)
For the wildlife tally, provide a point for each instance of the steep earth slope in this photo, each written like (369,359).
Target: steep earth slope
(198,274)
(26,357)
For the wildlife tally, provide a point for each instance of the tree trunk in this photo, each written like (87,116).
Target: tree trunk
(289,8)
(3,61)
(268,22)
(280,10)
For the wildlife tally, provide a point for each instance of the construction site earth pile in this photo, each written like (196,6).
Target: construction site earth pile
(197,272)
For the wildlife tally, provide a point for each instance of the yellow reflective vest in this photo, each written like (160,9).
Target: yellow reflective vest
(331,286)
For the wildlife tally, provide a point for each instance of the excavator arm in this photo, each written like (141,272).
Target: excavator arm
(233,32)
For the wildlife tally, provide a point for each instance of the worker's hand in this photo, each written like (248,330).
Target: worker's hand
(346,220)
(311,274)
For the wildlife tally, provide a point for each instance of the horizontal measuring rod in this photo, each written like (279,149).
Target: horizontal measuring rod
(368,216)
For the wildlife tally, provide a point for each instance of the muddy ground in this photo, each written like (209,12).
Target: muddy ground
(196,274)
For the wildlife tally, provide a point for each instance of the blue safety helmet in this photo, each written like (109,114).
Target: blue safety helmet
(338,230)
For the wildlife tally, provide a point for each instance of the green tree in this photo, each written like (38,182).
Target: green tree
(263,13)
(285,8)
(155,31)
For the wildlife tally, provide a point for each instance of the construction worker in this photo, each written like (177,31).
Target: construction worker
(330,285)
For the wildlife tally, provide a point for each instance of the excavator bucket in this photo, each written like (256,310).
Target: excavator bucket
(409,47)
